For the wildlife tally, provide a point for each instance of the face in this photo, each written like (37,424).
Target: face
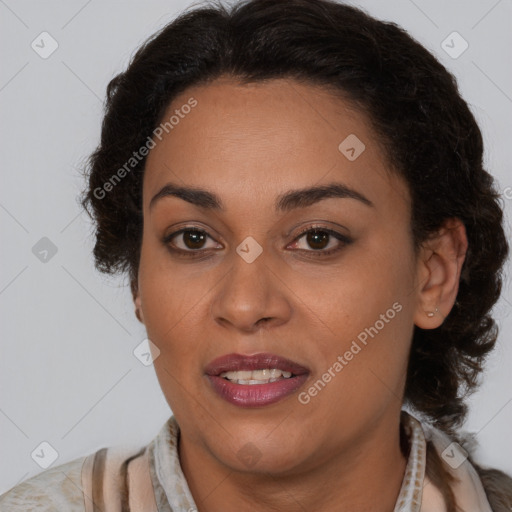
(325,280)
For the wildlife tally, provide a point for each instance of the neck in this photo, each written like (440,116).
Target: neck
(365,476)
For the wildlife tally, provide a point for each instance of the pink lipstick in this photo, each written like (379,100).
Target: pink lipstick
(255,381)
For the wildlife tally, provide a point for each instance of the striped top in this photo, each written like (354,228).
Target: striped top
(150,479)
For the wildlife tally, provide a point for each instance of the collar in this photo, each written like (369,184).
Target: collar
(417,493)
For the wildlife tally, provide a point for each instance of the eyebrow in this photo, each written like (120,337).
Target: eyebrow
(290,200)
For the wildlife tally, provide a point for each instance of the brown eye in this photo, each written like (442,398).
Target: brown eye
(194,239)
(321,241)
(187,240)
(317,239)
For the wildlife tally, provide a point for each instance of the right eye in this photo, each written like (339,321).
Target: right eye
(192,241)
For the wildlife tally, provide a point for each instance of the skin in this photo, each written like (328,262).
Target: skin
(248,144)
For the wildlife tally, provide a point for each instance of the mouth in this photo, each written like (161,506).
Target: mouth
(255,381)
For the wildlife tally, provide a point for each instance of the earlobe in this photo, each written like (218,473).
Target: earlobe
(137,301)
(440,266)
(138,309)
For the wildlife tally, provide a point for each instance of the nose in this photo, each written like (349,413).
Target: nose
(251,296)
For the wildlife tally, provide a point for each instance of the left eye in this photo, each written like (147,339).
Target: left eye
(318,239)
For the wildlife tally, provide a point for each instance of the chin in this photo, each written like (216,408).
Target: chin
(252,455)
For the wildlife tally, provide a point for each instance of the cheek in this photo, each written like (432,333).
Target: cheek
(367,314)
(170,306)
(165,298)
(171,316)
(373,277)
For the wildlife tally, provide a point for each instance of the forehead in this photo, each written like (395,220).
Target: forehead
(263,137)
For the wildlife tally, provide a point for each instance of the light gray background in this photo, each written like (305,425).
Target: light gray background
(69,376)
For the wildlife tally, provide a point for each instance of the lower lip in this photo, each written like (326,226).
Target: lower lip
(256,395)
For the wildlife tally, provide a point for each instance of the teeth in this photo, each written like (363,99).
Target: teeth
(256,376)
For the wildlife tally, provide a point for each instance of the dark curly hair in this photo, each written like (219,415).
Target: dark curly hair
(426,129)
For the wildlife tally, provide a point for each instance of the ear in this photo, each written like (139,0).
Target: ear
(137,300)
(439,267)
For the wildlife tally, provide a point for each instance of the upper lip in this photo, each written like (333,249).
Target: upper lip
(235,362)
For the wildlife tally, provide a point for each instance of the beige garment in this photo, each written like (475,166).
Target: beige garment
(418,493)
(150,479)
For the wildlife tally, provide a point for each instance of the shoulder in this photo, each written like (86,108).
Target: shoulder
(98,481)
(57,488)
(498,487)
(452,467)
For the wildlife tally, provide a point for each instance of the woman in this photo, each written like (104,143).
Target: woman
(296,192)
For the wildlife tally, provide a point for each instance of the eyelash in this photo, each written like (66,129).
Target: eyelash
(321,253)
